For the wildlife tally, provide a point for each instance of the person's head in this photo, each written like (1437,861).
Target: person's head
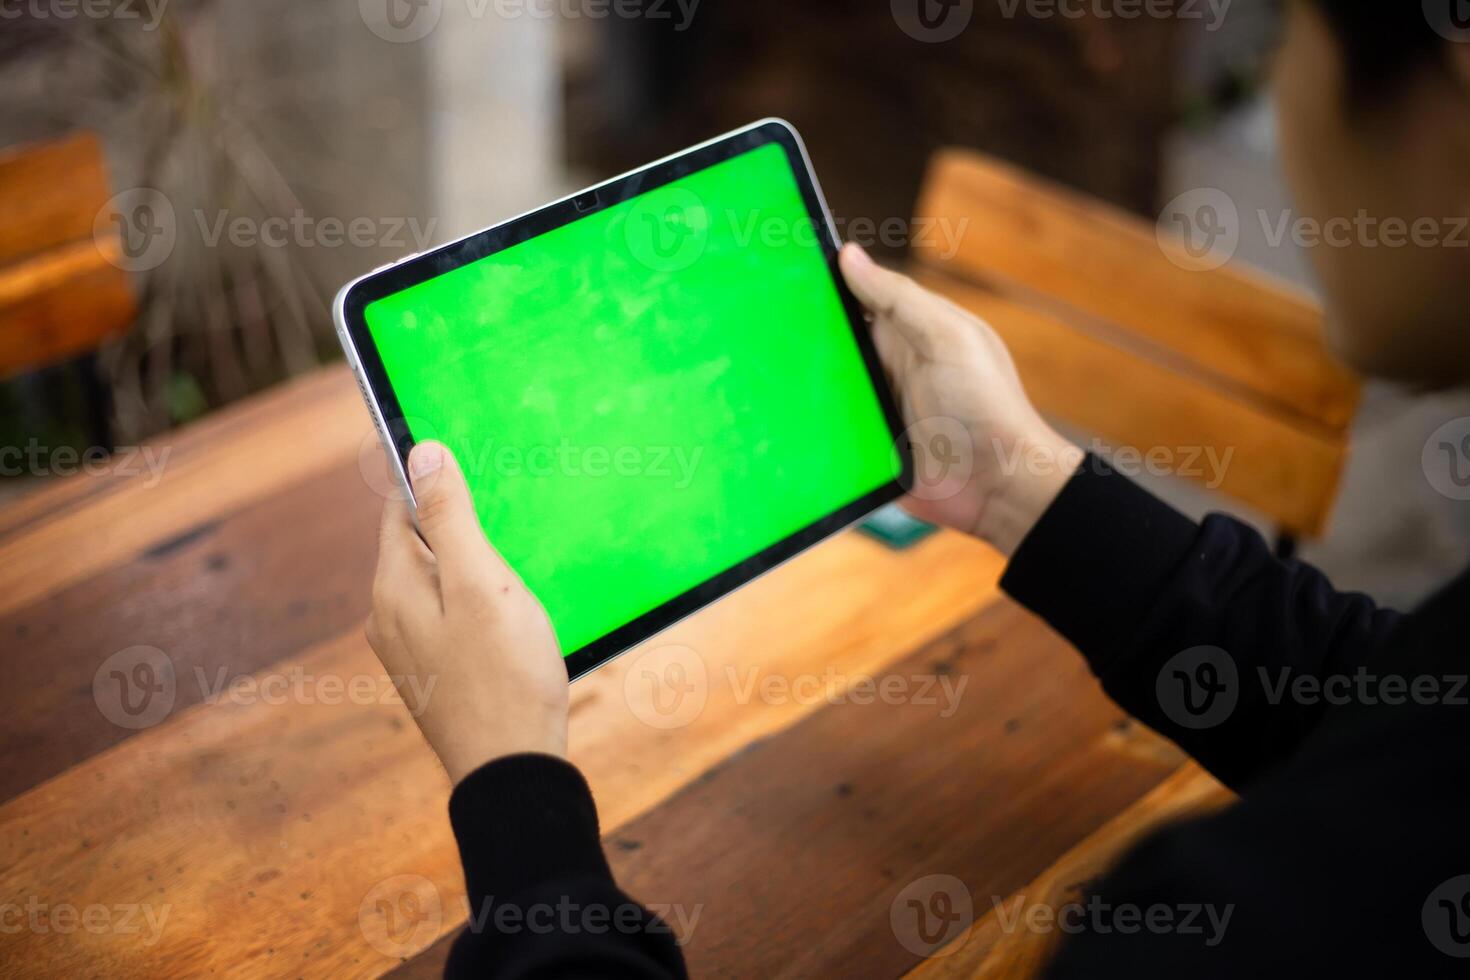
(1374,108)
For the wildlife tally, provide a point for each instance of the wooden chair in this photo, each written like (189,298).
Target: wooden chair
(1114,336)
(61,294)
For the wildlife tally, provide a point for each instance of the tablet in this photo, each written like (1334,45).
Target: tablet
(657,388)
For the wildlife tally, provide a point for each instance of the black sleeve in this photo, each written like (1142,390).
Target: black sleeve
(542,901)
(1192,628)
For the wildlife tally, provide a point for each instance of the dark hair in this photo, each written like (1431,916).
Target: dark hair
(1385,42)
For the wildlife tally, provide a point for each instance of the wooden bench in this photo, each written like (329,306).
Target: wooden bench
(62,292)
(1114,331)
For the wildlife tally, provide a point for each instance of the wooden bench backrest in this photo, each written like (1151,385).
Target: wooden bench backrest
(1113,335)
(60,294)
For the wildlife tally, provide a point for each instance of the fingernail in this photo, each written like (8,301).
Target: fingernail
(859,254)
(426,458)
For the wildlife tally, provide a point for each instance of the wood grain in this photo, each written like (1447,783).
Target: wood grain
(327,390)
(991,951)
(797,849)
(232,595)
(264,827)
(253,831)
(1234,322)
(275,444)
(1286,472)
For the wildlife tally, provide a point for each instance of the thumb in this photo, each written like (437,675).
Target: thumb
(874,286)
(446,514)
(894,298)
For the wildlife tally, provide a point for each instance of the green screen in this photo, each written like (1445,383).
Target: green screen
(648,396)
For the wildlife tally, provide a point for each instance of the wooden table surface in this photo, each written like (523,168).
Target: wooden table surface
(203,770)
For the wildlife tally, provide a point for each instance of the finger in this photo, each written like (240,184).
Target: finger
(447,517)
(406,580)
(895,353)
(920,315)
(400,549)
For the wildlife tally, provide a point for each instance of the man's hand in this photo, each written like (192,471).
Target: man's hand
(452,613)
(986,463)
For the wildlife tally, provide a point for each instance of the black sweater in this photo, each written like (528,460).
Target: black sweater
(1343,726)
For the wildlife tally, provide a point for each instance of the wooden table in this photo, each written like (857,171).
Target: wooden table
(169,824)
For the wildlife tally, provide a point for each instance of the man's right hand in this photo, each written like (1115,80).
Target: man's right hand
(986,463)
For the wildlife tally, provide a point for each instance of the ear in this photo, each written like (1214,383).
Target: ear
(1457,59)
(1458,56)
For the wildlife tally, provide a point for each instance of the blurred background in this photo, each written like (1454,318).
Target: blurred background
(266,151)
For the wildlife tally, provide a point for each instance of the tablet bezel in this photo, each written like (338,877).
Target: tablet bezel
(382,402)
